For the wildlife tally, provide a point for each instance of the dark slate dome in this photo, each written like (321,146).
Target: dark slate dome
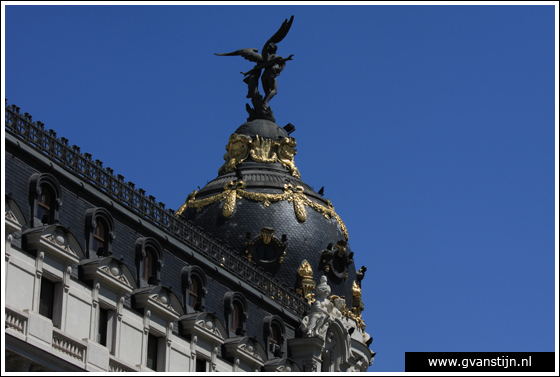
(273,204)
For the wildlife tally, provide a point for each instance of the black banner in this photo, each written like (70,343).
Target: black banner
(479,361)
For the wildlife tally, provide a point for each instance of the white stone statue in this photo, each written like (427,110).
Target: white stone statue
(317,322)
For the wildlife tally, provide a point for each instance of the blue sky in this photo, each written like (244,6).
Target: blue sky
(432,129)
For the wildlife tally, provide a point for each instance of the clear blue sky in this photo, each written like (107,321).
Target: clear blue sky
(432,129)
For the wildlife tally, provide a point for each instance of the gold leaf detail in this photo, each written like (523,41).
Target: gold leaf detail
(262,150)
(290,193)
(236,152)
(229,204)
(286,154)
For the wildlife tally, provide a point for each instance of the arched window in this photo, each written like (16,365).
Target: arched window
(236,313)
(44,199)
(193,281)
(274,331)
(100,232)
(149,261)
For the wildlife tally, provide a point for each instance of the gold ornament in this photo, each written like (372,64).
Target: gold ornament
(261,150)
(291,193)
(307,284)
(236,152)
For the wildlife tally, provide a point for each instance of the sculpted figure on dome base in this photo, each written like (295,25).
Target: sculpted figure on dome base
(317,322)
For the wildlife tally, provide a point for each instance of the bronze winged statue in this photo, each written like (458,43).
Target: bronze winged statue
(272,65)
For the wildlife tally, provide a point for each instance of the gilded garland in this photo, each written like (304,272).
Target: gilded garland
(234,190)
(240,147)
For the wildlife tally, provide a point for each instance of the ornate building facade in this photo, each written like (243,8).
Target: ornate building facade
(100,277)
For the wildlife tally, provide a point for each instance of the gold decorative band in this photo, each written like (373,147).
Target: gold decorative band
(234,190)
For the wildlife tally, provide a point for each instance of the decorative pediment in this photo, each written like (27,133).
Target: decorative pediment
(110,271)
(13,216)
(55,240)
(246,348)
(281,365)
(204,325)
(158,299)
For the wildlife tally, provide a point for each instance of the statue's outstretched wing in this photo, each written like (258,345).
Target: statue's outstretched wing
(278,36)
(251,54)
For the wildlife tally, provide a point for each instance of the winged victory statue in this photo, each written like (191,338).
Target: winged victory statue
(268,66)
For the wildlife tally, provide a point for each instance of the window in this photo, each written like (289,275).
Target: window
(149,261)
(46,300)
(201,365)
(266,250)
(102,328)
(105,328)
(101,230)
(151,361)
(274,330)
(44,205)
(50,300)
(155,353)
(99,238)
(235,317)
(274,339)
(236,313)
(194,293)
(148,266)
(193,282)
(44,199)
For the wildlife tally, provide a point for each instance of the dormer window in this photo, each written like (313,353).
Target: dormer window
(44,199)
(236,313)
(149,261)
(193,285)
(274,331)
(266,250)
(100,229)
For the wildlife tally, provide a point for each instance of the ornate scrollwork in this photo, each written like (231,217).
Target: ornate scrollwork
(236,152)
(260,150)
(286,154)
(235,190)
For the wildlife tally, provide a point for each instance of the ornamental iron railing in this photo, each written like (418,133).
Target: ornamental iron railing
(92,171)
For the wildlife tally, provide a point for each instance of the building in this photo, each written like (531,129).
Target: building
(253,273)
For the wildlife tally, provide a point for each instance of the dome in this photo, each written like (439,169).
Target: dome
(260,207)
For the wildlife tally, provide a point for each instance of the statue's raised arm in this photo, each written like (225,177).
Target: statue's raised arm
(272,65)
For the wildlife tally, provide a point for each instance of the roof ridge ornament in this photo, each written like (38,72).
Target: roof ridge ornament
(272,65)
